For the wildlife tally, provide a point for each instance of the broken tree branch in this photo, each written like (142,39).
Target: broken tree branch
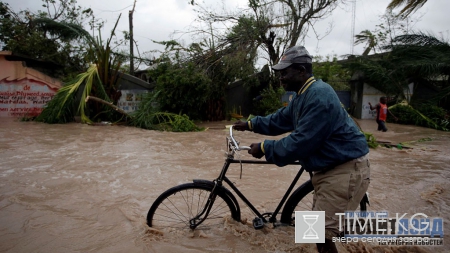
(110,104)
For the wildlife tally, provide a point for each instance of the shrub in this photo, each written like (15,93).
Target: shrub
(424,115)
(270,102)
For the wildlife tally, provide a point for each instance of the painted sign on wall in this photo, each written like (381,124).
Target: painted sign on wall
(130,100)
(23,98)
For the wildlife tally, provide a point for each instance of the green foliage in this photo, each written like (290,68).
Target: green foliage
(270,102)
(419,58)
(100,81)
(37,35)
(174,122)
(371,140)
(381,74)
(330,71)
(148,116)
(431,111)
(61,109)
(181,90)
(425,115)
(143,116)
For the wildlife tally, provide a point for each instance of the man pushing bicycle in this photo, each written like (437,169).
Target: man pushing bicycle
(323,138)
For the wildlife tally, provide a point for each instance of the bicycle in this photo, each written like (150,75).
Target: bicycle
(205,203)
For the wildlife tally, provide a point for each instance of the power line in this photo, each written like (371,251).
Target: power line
(115,10)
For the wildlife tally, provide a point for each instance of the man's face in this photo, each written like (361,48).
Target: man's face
(383,100)
(290,79)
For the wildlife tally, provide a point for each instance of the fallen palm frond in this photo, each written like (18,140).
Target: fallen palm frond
(61,108)
(100,80)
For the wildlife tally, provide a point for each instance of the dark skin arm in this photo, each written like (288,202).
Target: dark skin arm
(241,126)
(255,150)
(375,107)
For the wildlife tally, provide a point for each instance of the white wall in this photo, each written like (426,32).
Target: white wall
(372,95)
(130,100)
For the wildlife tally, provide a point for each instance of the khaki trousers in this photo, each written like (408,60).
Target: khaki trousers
(340,189)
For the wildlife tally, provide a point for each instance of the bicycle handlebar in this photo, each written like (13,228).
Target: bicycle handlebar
(238,148)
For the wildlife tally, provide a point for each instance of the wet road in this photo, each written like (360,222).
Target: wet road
(81,188)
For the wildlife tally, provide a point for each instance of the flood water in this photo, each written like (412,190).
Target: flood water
(81,188)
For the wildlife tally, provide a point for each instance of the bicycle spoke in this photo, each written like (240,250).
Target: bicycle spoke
(177,209)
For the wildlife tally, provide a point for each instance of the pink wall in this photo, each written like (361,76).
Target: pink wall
(23,91)
(23,98)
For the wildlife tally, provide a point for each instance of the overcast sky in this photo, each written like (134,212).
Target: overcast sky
(158,19)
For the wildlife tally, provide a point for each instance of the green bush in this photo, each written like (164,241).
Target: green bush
(422,115)
(270,102)
(182,90)
(431,111)
(149,116)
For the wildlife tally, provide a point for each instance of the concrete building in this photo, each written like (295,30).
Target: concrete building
(23,90)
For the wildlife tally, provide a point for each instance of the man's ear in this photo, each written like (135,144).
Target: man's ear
(302,70)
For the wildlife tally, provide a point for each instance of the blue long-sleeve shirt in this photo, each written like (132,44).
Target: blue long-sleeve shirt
(323,134)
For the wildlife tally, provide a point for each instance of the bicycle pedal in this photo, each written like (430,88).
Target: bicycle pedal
(258,223)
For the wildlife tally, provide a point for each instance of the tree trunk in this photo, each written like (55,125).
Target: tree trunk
(96,99)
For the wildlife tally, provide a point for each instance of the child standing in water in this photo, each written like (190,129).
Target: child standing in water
(382,111)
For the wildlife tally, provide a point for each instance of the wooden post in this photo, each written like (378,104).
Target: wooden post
(130,18)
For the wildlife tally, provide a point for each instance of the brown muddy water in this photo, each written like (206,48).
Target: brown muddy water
(81,188)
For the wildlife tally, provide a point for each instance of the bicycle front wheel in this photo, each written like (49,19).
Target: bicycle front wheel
(177,206)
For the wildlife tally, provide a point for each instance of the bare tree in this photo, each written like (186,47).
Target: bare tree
(276,24)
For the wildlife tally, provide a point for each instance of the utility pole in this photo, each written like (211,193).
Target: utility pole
(93,26)
(130,17)
(352,39)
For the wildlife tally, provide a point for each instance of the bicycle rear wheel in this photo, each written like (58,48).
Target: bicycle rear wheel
(302,200)
(178,205)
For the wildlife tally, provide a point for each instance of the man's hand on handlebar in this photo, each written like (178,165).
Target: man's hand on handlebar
(241,126)
(256,151)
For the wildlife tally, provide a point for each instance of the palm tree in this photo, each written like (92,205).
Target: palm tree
(423,57)
(100,80)
(412,58)
(410,6)
(368,37)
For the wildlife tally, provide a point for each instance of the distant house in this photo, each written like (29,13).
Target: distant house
(132,89)
(362,93)
(23,90)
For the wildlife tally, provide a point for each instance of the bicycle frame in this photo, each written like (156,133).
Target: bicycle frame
(233,146)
